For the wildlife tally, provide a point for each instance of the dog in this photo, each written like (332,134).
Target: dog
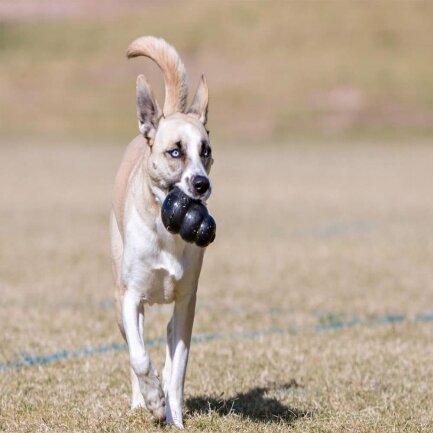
(151,265)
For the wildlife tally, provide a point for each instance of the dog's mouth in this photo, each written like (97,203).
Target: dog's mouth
(200,198)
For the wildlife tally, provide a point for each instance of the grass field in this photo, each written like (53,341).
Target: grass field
(328,256)
(315,305)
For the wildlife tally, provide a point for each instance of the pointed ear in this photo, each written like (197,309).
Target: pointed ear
(148,111)
(200,102)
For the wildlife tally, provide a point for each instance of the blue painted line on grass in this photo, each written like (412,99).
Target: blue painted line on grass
(332,324)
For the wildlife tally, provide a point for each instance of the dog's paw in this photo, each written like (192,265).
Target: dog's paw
(154,397)
(174,414)
(159,412)
(176,423)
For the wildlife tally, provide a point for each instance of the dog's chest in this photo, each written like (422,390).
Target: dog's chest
(153,261)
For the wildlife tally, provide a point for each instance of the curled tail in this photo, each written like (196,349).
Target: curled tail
(172,67)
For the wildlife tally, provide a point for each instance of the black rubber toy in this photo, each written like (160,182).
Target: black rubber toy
(183,215)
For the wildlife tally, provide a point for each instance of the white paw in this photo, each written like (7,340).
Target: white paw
(153,396)
(173,414)
(177,423)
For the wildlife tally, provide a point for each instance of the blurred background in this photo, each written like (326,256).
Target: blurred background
(278,70)
(315,303)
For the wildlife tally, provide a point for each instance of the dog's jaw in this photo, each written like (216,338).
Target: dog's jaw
(188,191)
(159,194)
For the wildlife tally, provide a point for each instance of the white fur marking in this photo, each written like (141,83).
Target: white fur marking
(152,260)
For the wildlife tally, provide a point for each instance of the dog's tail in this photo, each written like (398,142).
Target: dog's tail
(167,58)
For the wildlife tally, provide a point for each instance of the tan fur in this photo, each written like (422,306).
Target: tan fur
(134,151)
(167,58)
(200,103)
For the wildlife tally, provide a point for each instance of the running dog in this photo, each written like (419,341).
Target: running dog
(150,264)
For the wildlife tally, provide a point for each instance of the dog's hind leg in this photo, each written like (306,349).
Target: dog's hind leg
(146,374)
(166,374)
(137,400)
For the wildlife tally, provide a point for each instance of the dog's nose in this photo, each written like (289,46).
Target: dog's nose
(200,184)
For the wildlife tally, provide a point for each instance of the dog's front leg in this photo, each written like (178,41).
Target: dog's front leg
(140,362)
(182,321)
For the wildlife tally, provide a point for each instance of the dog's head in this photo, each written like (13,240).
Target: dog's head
(179,152)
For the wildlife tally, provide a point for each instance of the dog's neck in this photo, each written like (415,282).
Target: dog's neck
(147,197)
(157,192)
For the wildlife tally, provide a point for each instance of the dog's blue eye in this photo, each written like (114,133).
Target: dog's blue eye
(175,153)
(205,153)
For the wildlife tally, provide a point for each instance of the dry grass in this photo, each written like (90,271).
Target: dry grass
(309,236)
(326,233)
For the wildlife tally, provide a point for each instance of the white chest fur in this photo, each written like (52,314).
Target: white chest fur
(153,260)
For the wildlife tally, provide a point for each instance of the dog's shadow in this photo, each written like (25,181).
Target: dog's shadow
(254,405)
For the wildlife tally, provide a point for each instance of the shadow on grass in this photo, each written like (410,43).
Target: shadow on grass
(254,405)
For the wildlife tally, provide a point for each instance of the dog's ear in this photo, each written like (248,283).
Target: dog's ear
(148,111)
(199,105)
